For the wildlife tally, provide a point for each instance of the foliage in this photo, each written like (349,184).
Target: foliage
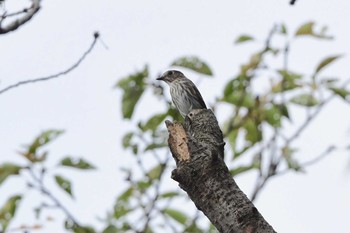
(193,63)
(8,211)
(254,114)
(133,87)
(255,132)
(35,166)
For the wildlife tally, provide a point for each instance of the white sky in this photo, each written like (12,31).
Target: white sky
(156,32)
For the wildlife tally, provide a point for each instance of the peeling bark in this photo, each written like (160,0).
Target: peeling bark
(198,149)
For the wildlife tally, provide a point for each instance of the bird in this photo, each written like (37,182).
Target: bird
(184,93)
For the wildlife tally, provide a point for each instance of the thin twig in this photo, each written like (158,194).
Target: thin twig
(318,158)
(75,65)
(292,2)
(231,125)
(42,188)
(262,180)
(30,12)
(5,15)
(156,195)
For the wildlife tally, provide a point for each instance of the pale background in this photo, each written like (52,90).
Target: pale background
(156,32)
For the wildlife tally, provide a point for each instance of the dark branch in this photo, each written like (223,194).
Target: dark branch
(198,149)
(29,13)
(75,65)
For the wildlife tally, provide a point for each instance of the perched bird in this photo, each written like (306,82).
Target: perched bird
(184,93)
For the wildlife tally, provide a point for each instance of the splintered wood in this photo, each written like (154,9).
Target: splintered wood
(178,141)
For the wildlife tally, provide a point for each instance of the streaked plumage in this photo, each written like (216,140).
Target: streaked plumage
(184,93)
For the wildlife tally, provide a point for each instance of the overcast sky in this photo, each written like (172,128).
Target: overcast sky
(84,104)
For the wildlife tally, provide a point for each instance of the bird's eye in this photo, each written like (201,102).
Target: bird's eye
(170,72)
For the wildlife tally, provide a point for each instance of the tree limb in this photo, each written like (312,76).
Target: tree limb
(198,149)
(30,12)
(72,67)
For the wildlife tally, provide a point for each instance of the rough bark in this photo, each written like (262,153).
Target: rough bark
(198,149)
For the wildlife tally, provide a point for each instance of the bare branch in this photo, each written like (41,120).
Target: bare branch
(311,116)
(261,181)
(30,12)
(318,158)
(75,65)
(44,190)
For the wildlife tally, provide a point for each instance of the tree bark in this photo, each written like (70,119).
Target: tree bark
(198,149)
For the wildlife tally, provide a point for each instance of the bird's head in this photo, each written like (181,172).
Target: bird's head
(170,76)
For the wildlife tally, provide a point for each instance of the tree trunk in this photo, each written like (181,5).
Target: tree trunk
(198,149)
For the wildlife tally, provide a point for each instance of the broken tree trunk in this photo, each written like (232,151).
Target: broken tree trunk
(198,149)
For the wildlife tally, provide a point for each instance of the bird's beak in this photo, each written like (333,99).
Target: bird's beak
(161,78)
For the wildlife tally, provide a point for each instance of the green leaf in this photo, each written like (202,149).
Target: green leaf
(232,138)
(176,215)
(343,93)
(64,184)
(252,64)
(153,146)
(8,169)
(291,162)
(307,29)
(143,185)
(169,195)
(121,209)
(284,110)
(289,75)
(8,211)
(239,83)
(126,194)
(241,169)
(253,131)
(235,92)
(243,38)
(283,29)
(110,229)
(40,141)
(305,100)
(193,63)
(69,225)
(238,154)
(127,139)
(212,229)
(240,98)
(325,62)
(154,122)
(289,81)
(133,87)
(194,228)
(155,172)
(126,227)
(174,114)
(273,116)
(76,163)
